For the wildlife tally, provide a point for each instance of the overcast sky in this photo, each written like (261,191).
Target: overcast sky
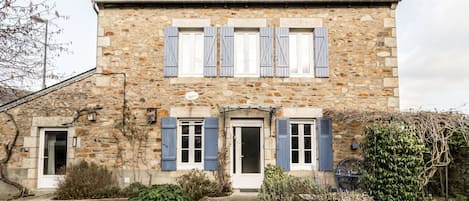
(433,42)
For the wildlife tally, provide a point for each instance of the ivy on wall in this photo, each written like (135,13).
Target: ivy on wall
(393,161)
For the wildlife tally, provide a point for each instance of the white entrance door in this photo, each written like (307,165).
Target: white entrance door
(52,157)
(247,154)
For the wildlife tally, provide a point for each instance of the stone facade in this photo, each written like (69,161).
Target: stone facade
(363,76)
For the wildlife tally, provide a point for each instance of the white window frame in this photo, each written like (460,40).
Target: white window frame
(257,56)
(191,164)
(301,165)
(297,32)
(199,50)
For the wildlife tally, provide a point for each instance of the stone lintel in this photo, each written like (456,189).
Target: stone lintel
(301,22)
(247,22)
(301,112)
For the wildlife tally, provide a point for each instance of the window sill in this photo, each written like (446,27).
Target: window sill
(294,167)
(190,166)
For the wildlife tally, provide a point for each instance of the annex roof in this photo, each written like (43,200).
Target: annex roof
(47,90)
(246,1)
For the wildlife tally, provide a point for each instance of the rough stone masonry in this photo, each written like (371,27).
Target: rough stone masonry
(129,72)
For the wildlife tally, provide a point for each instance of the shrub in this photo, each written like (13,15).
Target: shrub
(132,190)
(161,193)
(197,185)
(393,160)
(277,185)
(87,180)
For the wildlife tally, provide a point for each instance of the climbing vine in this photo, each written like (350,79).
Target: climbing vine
(8,149)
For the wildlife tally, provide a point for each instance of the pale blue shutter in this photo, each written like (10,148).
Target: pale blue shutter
(170,68)
(281,52)
(210,52)
(283,143)
(325,144)
(210,143)
(168,143)
(321,52)
(227,52)
(266,34)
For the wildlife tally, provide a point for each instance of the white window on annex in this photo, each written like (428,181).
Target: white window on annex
(190,144)
(246,53)
(191,53)
(303,145)
(301,47)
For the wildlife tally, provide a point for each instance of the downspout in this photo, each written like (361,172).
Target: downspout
(95,6)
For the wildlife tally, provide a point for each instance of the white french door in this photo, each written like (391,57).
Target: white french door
(52,157)
(247,167)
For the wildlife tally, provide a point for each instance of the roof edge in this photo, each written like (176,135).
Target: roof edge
(244,1)
(47,90)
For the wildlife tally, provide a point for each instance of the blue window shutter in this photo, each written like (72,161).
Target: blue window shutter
(168,143)
(321,52)
(283,143)
(210,52)
(281,52)
(210,143)
(326,162)
(266,47)
(227,52)
(170,68)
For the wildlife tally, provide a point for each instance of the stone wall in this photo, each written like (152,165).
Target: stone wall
(363,75)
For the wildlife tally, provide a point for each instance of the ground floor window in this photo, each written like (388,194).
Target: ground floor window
(303,145)
(190,144)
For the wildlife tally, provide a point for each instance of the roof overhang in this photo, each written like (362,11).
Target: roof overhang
(98,4)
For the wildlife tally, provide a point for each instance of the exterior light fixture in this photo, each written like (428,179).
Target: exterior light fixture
(92,115)
(355,145)
(151,115)
(74,141)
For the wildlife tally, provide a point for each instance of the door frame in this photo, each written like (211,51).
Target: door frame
(52,179)
(239,176)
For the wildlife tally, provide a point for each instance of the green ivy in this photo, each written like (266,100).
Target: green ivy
(393,160)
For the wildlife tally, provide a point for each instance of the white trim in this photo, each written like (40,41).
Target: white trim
(314,148)
(191,164)
(246,180)
(50,181)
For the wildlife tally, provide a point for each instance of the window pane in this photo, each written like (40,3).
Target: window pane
(198,156)
(185,141)
(294,129)
(253,43)
(294,156)
(198,129)
(307,156)
(307,142)
(304,49)
(307,129)
(185,129)
(55,152)
(239,53)
(185,156)
(294,142)
(190,53)
(293,54)
(198,142)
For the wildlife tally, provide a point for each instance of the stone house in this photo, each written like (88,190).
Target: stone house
(223,86)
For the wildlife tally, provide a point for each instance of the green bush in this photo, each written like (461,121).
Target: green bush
(393,160)
(197,185)
(278,186)
(87,180)
(164,192)
(132,190)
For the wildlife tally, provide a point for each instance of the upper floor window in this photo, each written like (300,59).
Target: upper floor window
(303,146)
(190,144)
(301,51)
(246,53)
(191,54)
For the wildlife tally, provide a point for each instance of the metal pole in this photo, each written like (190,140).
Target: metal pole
(446,182)
(45,58)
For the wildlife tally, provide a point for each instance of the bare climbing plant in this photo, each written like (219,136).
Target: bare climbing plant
(8,148)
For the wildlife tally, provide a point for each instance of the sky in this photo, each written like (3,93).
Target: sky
(433,50)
